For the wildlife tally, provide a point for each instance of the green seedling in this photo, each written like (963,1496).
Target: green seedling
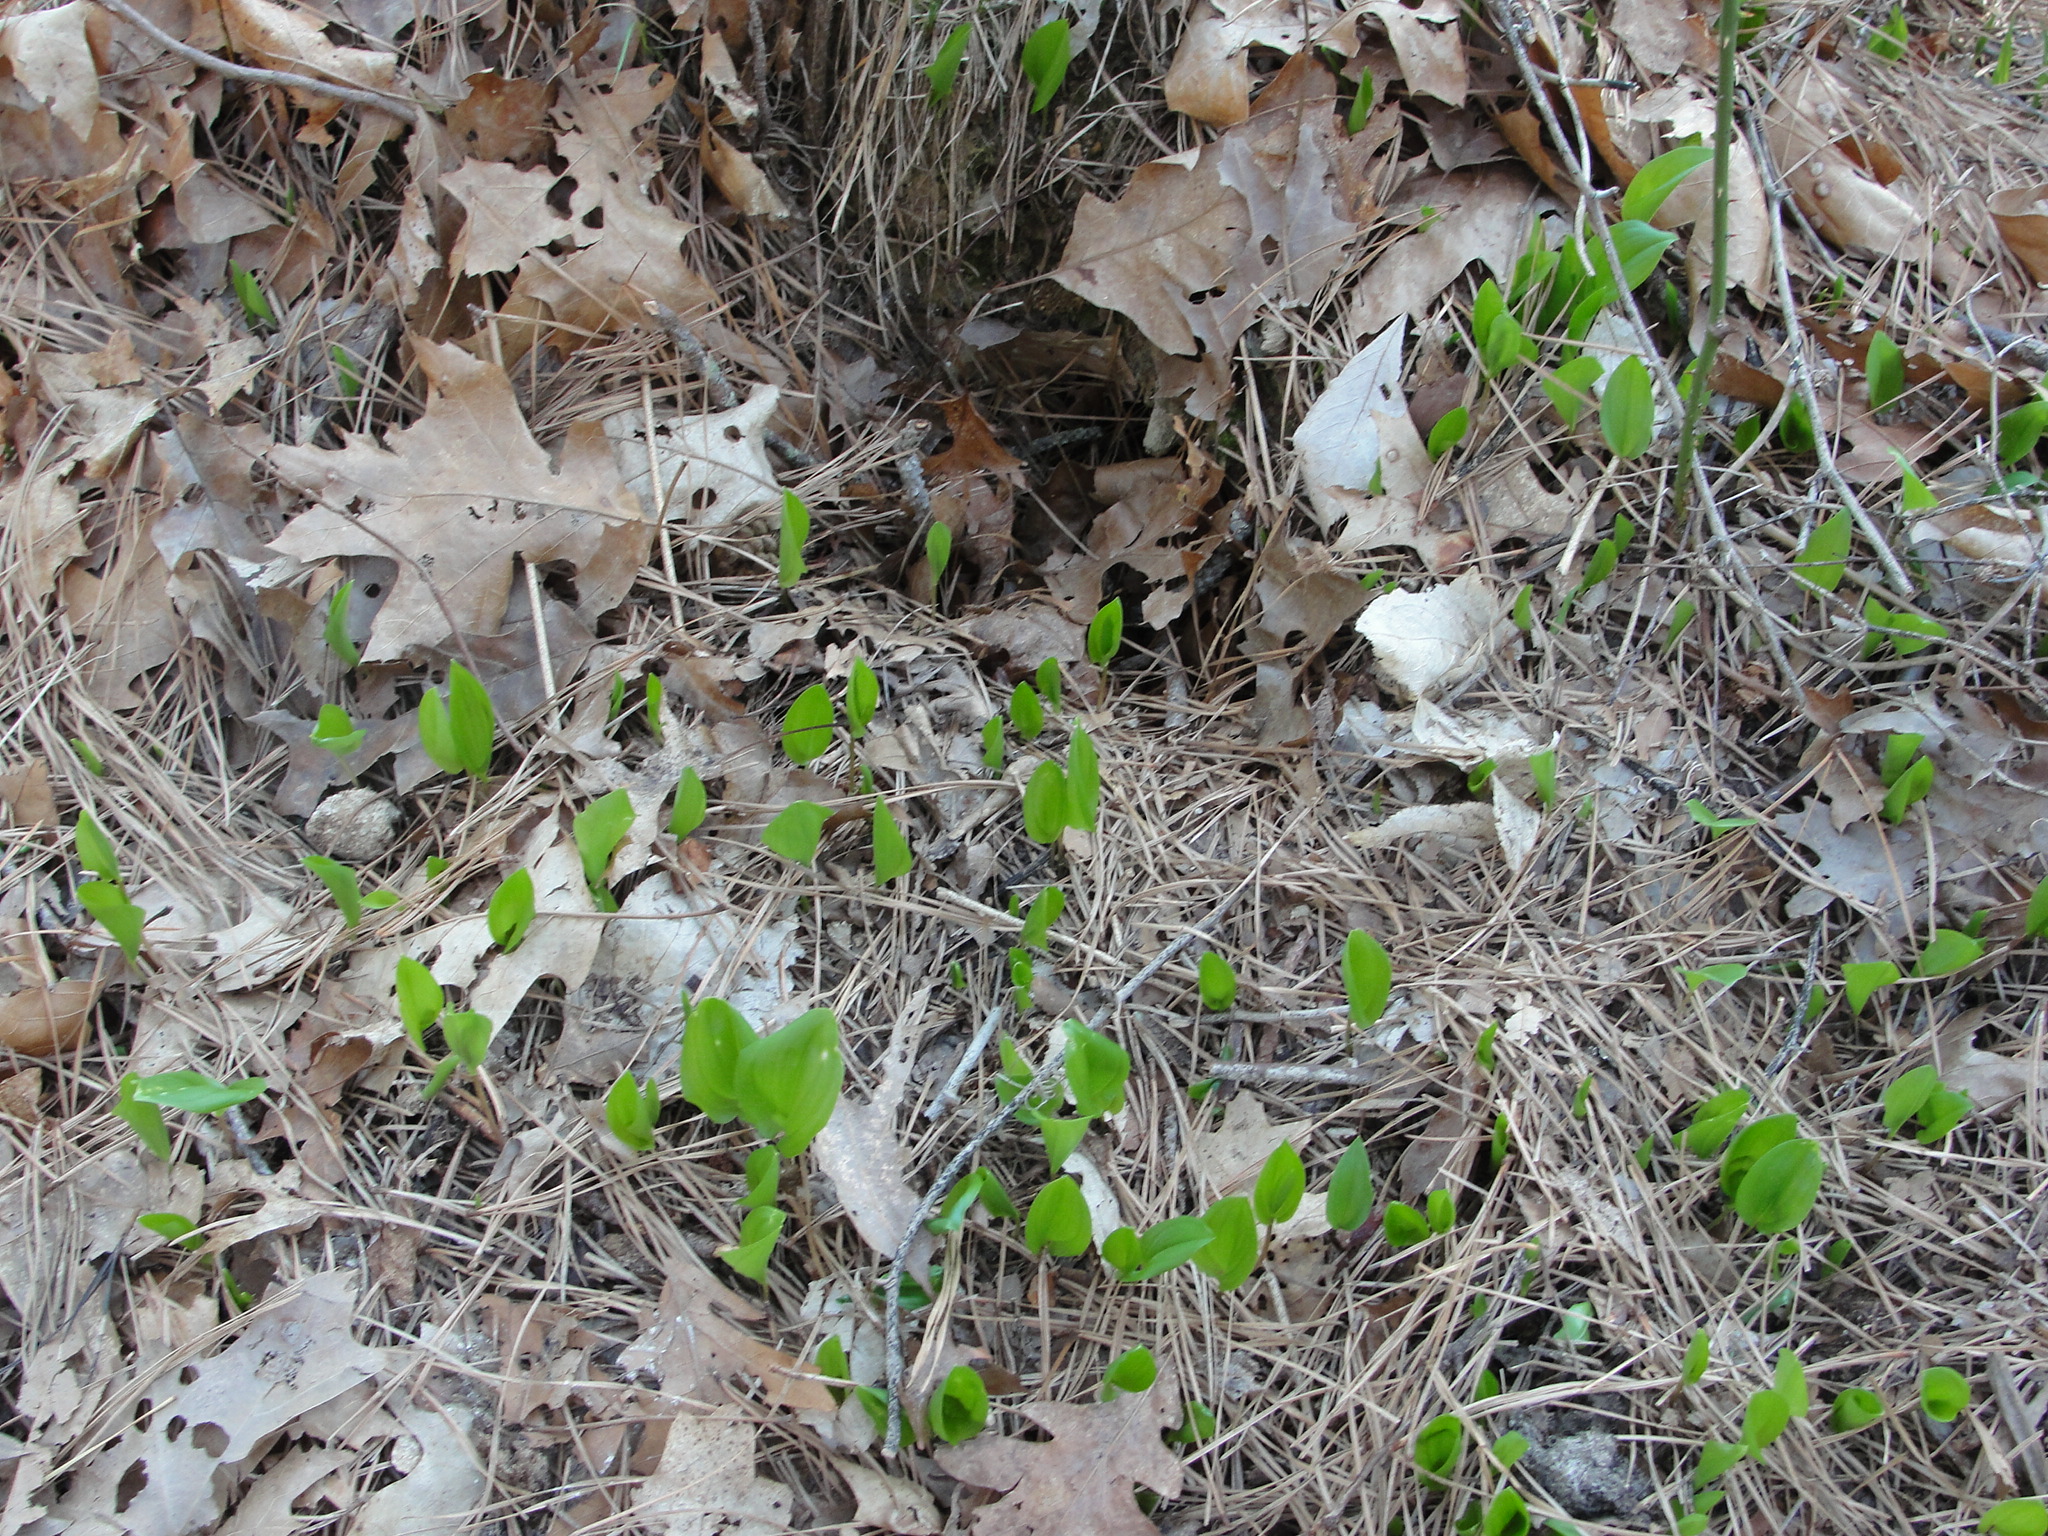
(1404,1225)
(1282,1182)
(1853,1409)
(1582,1097)
(795,532)
(1576,1326)
(1509,1449)
(1627,411)
(959,1409)
(173,1228)
(618,699)
(944,71)
(1569,388)
(1168,1245)
(1949,951)
(1449,431)
(1083,781)
(1888,42)
(1198,1423)
(1943,1393)
(714,1035)
(1908,790)
(145,1119)
(1823,557)
(121,917)
(653,686)
(1480,775)
(863,697)
(195,1092)
(1724,975)
(1058,1220)
(1027,715)
(2020,429)
(691,804)
(1361,104)
(787,1082)
(795,831)
(1908,633)
(1060,1134)
(348,375)
(1901,750)
(1716,1458)
(1132,1371)
(891,849)
(1745,1150)
(1543,769)
(457,732)
(335,732)
(420,1000)
(1655,182)
(2015,1517)
(335,633)
(510,912)
(938,552)
(1216,982)
(1764,1418)
(1045,804)
(1683,613)
(992,743)
(1350,1198)
(749,1256)
(1440,1211)
(1776,1194)
(254,305)
(2036,920)
(1920,1095)
(1047,52)
(807,727)
(1045,910)
(631,1110)
(1233,1249)
(1715,1120)
(981,1187)
(341,883)
(91,759)
(1106,632)
(1860,978)
(1096,1069)
(96,850)
(2001,71)
(1048,679)
(1697,1357)
(1438,1447)
(1716,824)
(1368,974)
(1884,373)
(833,1365)
(1788,1380)
(1523,611)
(763,1177)
(469,1039)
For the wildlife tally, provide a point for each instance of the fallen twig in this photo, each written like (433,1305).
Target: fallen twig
(378,101)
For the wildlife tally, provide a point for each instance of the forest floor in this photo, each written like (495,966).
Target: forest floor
(626,360)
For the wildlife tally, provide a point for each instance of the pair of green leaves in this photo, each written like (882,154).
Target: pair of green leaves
(346,889)
(1170,1244)
(1922,1097)
(1056,799)
(457,732)
(631,1110)
(105,897)
(959,1409)
(1368,975)
(1908,633)
(980,1187)
(335,732)
(784,1084)
(598,829)
(141,1101)
(1047,52)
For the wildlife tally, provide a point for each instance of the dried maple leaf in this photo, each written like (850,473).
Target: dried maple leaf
(1146,529)
(459,494)
(501,119)
(508,214)
(1080,1482)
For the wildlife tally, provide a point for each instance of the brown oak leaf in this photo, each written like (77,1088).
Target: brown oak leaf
(458,494)
(1080,1482)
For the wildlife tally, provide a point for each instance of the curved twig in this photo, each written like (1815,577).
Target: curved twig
(379,101)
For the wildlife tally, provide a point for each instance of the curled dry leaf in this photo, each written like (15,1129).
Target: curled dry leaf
(44,1018)
(1080,1482)
(2003,549)
(745,185)
(1303,599)
(1475,215)
(1160,504)
(2021,214)
(1661,35)
(1210,80)
(461,493)
(52,60)
(1431,641)
(39,521)
(706,470)
(1428,44)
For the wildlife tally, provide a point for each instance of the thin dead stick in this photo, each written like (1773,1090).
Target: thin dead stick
(1297,1072)
(949,1095)
(375,100)
(2026,1437)
(892,1288)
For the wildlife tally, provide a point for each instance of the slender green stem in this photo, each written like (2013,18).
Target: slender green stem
(1717,284)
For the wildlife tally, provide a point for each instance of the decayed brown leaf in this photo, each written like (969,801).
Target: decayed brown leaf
(1210,80)
(1427,41)
(695,1341)
(1080,1482)
(40,1018)
(508,214)
(1474,215)
(1161,502)
(462,492)
(973,488)
(2021,214)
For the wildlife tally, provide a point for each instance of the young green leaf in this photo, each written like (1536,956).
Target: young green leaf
(1510,1448)
(1764,1418)
(938,552)
(1943,1393)
(510,912)
(1502,344)
(944,69)
(1045,910)
(335,732)
(96,850)
(1912,786)
(863,695)
(1169,1245)
(1061,1137)
(1097,1069)
(1543,769)
(1724,975)
(1437,1448)
(1084,781)
(1714,1120)
(254,304)
(1655,182)
(749,1256)
(341,883)
(687,815)
(1570,388)
(1282,1182)
(2020,429)
(1058,1220)
(1404,1225)
(1823,556)
(1361,105)
(1716,1457)
(787,1082)
(807,728)
(1132,1371)
(1026,714)
(796,531)
(1627,413)
(1045,804)
(469,1037)
(1368,973)
(1853,1409)
(713,1038)
(1716,824)
(195,1092)
(1906,1095)
(1440,1211)
(1048,679)
(992,743)
(1776,1194)
(420,1000)
(1860,978)
(1900,749)
(795,831)
(1047,52)
(90,758)
(437,738)
(1233,1248)
(335,633)
(2016,1517)
(116,913)
(1948,952)
(892,850)
(1350,1198)
(1106,632)
(763,1177)
(173,1228)
(472,722)
(144,1119)
(1217,982)
(1449,431)
(1788,1380)
(1884,370)
(1755,1140)
(959,1409)
(1696,1358)
(630,1112)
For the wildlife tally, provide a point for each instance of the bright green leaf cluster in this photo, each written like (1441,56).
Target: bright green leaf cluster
(784,1084)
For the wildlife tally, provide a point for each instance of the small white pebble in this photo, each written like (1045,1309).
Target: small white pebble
(353,825)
